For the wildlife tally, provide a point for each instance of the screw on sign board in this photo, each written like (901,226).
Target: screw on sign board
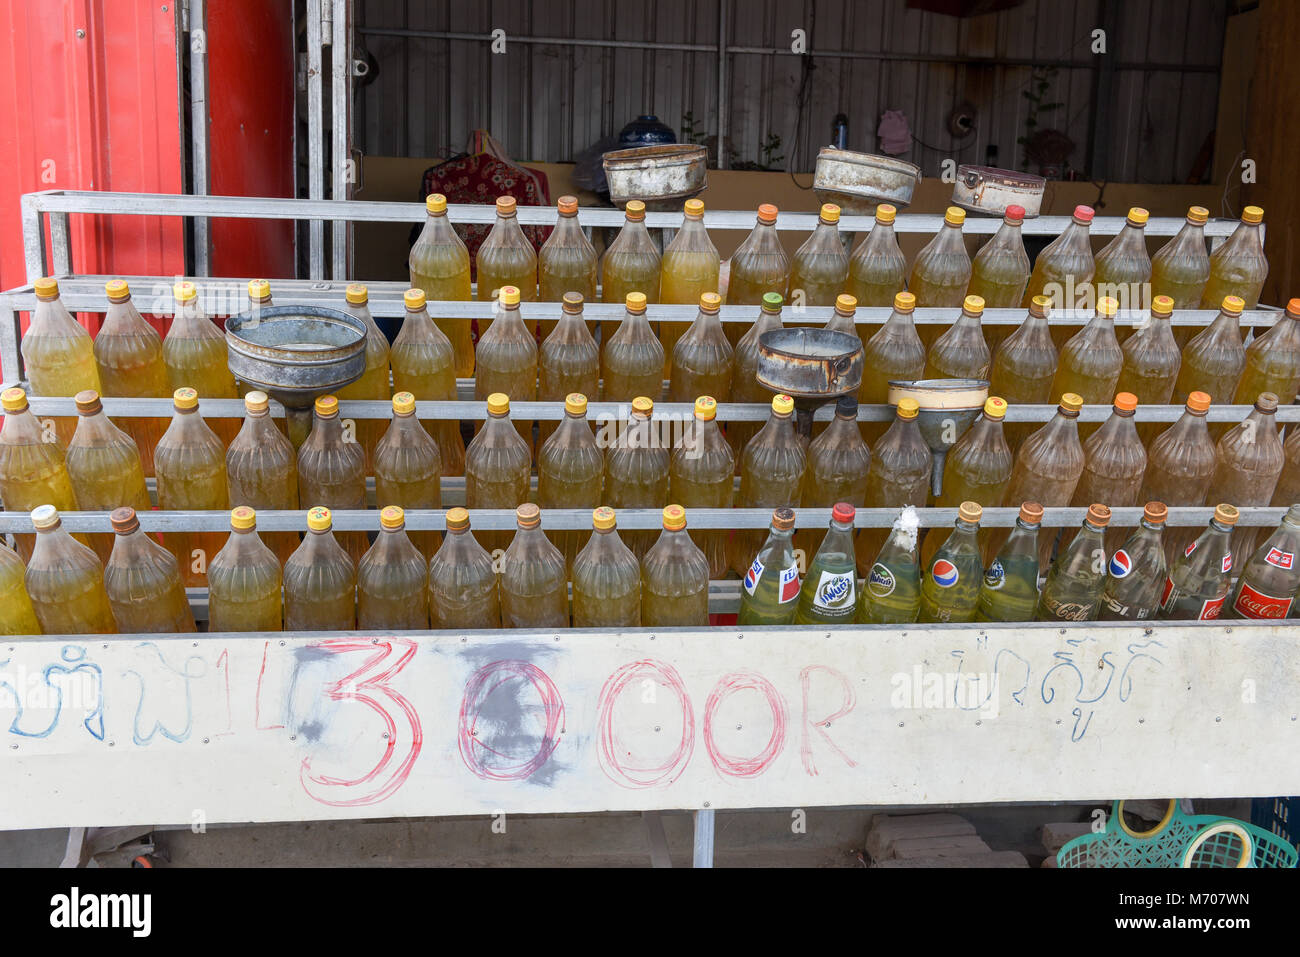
(264,728)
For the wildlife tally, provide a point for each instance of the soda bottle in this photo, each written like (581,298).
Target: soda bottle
(1123,267)
(332,470)
(843,319)
(1090,363)
(1047,470)
(1000,271)
(1200,576)
(1115,459)
(828,595)
(1072,590)
(1273,361)
(1024,363)
(1064,268)
(129,356)
(745,386)
(1238,267)
(506,257)
(497,465)
(1151,357)
(58,353)
(424,365)
(688,270)
(894,353)
(1214,359)
(439,267)
(1288,486)
(373,384)
(1180,464)
(771,475)
(567,261)
(891,594)
(674,577)
(143,582)
(961,352)
(320,580)
(878,268)
(950,590)
(392,579)
(898,475)
(701,473)
(636,468)
(1009,590)
(1136,573)
(569,360)
(1270,578)
(1249,462)
(631,262)
(771,585)
(506,360)
(104,466)
(408,467)
(464,592)
(65,581)
(606,578)
(978,466)
(190,466)
(820,266)
(570,468)
(759,265)
(244,580)
(702,357)
(632,360)
(942,270)
(194,350)
(17,617)
(1182,266)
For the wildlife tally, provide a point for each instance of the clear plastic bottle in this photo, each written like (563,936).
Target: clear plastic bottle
(942,270)
(1064,269)
(674,577)
(408,469)
(392,579)
(1123,268)
(104,466)
(1000,270)
(1182,266)
(978,466)
(320,580)
(688,270)
(844,318)
(424,365)
(374,382)
(1180,464)
(569,360)
(820,266)
(570,470)
(759,265)
(702,357)
(636,468)
(497,465)
(1151,357)
(534,586)
(1024,363)
(1115,459)
(894,352)
(190,466)
(898,475)
(262,469)
(464,591)
(631,263)
(1273,361)
(1090,363)
(1238,267)
(837,461)
(128,353)
(891,593)
(507,353)
(567,261)
(606,578)
(1288,486)
(1249,461)
(439,267)
(1009,591)
(771,586)
(1200,576)
(17,617)
(244,580)
(58,353)
(65,581)
(745,387)
(828,595)
(1136,572)
(194,349)
(961,352)
(143,582)
(951,586)
(332,471)
(1072,590)
(506,257)
(1269,580)
(632,359)
(1213,361)
(771,476)
(878,268)
(1047,470)
(33,470)
(701,473)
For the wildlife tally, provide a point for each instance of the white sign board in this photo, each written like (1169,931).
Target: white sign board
(230,728)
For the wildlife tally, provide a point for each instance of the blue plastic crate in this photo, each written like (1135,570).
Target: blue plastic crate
(1280,815)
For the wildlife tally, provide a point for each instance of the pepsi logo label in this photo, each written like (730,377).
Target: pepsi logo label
(945,573)
(1280,559)
(789,590)
(753,575)
(1120,564)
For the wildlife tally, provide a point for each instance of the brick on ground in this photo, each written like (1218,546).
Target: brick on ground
(961,846)
(1056,836)
(997,859)
(886,828)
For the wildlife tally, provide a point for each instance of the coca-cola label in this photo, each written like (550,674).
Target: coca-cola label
(1227,562)
(1252,603)
(1280,559)
(834,593)
(1068,610)
(1207,611)
(1211,608)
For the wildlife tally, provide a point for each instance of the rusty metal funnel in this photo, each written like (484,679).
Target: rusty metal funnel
(948,407)
(812,366)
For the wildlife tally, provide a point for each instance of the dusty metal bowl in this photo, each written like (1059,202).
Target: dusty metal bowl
(663,177)
(988,190)
(948,407)
(859,182)
(810,363)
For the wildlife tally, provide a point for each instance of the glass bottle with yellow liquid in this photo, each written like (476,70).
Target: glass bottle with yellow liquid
(745,387)
(688,270)
(65,581)
(1064,269)
(898,475)
(637,468)
(878,268)
(423,365)
(1122,269)
(190,466)
(570,470)
(104,466)
(1238,267)
(262,469)
(950,587)
(1151,358)
(1090,362)
(320,580)
(1000,270)
(759,265)
(835,470)
(1047,469)
(701,474)
(702,357)
(606,578)
(439,267)
(674,577)
(632,360)
(143,582)
(534,585)
(33,468)
(497,465)
(408,469)
(631,263)
(506,257)
(1180,464)
(244,580)
(820,266)
(332,470)
(1182,266)
(942,270)
(1115,462)
(567,262)
(392,579)
(961,352)
(771,476)
(1273,361)
(17,617)
(128,353)
(373,384)
(58,353)
(895,352)
(1249,459)
(463,584)
(569,360)
(1213,361)
(1024,363)
(194,350)
(507,357)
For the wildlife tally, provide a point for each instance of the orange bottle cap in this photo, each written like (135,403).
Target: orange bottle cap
(390,516)
(528,515)
(327,406)
(243,518)
(506,205)
(575,403)
(1226,514)
(457,519)
(498,403)
(904,301)
(1293,308)
(404,403)
(1155,512)
(970,511)
(1125,402)
(414,299)
(357,294)
(674,518)
(117,290)
(1198,402)
(886,213)
(187,398)
(603,518)
(782,404)
(706,407)
(1031,512)
(123,520)
(1098,515)
(767,214)
(567,205)
(319,519)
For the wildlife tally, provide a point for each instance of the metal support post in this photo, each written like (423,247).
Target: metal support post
(199,128)
(704,821)
(315,135)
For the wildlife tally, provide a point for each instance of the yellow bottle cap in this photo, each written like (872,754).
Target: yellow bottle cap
(435,203)
(87,401)
(973,305)
(243,518)
(706,408)
(1226,514)
(603,518)
(390,516)
(13,400)
(256,401)
(528,515)
(457,519)
(954,216)
(185,292)
(508,295)
(1252,215)
(185,398)
(767,214)
(319,519)
(47,287)
(1041,305)
(908,408)
(830,213)
(846,303)
(885,213)
(414,299)
(1198,215)
(635,302)
(1071,402)
(1106,306)
(506,205)
(674,518)
(782,404)
(259,290)
(404,403)
(498,403)
(634,210)
(693,208)
(326,406)
(1233,305)
(1162,306)
(572,303)
(710,302)
(357,294)
(575,403)
(643,406)
(117,290)
(1138,216)
(45,516)
(970,511)
(995,407)
(904,301)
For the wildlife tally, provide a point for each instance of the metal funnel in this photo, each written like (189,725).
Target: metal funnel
(812,366)
(948,407)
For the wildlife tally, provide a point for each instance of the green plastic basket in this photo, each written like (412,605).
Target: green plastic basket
(1179,840)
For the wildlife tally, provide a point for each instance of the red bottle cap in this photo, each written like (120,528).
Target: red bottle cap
(843,512)
(1084,213)
(1015,213)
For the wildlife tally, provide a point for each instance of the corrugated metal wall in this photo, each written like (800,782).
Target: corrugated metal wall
(546,102)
